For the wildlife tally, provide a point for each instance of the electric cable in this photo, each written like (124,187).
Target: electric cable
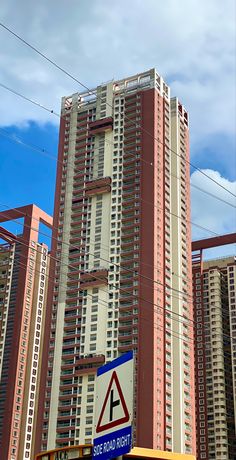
(120,289)
(177,335)
(107,142)
(185,294)
(106,302)
(212,195)
(92,92)
(44,152)
(89,253)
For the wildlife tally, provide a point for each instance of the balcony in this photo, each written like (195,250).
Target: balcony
(122,334)
(94,278)
(89,363)
(90,359)
(100,126)
(97,186)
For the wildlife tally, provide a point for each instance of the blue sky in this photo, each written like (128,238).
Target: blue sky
(217,151)
(28,176)
(190,42)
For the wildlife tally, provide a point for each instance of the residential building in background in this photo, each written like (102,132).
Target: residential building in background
(214,287)
(121,259)
(24,265)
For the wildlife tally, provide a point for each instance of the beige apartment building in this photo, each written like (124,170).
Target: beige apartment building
(24,266)
(214,286)
(122,263)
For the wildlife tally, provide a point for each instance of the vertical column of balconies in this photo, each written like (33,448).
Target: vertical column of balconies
(228,340)
(56,269)
(94,280)
(6,320)
(91,272)
(231,274)
(6,267)
(225,431)
(208,368)
(167,281)
(151,334)
(215,372)
(128,327)
(232,309)
(201,339)
(186,282)
(158,205)
(181,298)
(69,216)
(34,363)
(130,231)
(114,235)
(9,327)
(67,402)
(26,308)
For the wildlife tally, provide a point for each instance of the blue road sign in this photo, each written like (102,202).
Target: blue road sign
(114,408)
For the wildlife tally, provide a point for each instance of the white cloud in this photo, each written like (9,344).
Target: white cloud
(190,42)
(211,213)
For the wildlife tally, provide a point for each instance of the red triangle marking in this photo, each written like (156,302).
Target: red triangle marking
(119,421)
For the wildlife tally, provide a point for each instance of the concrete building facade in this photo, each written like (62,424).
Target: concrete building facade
(121,262)
(215,353)
(24,266)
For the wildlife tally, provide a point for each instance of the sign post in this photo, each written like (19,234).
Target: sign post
(114,408)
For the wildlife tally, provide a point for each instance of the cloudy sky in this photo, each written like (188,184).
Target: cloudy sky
(190,42)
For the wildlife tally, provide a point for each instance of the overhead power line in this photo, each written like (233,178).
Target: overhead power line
(105,304)
(172,332)
(177,291)
(156,326)
(44,152)
(212,195)
(91,92)
(53,112)
(27,99)
(73,246)
(157,308)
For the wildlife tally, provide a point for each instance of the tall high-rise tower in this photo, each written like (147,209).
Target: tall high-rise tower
(122,249)
(24,265)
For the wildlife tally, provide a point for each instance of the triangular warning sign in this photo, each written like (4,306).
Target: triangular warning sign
(112,403)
